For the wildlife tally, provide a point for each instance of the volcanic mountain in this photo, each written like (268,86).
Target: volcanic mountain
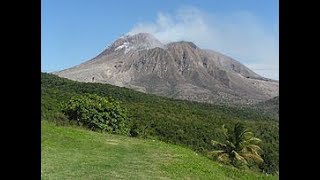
(178,70)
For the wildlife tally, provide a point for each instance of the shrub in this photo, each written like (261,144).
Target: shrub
(97,113)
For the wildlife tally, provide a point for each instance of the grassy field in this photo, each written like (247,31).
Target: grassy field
(76,153)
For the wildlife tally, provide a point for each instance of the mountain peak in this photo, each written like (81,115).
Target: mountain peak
(140,38)
(183,44)
(138,41)
(140,35)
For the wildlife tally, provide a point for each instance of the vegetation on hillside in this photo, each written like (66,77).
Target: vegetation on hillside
(269,107)
(185,123)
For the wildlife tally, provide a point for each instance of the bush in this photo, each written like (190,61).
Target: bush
(97,113)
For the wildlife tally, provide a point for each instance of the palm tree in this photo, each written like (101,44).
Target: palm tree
(240,147)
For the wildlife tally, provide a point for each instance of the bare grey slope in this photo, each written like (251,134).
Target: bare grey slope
(179,70)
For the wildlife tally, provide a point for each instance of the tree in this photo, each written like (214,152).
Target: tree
(97,113)
(240,147)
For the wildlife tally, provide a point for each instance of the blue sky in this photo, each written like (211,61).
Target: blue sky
(74,31)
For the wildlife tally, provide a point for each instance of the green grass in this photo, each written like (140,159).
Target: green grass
(75,153)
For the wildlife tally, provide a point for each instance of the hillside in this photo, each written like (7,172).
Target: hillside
(179,70)
(269,107)
(74,153)
(189,124)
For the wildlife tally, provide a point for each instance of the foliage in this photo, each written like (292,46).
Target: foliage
(239,147)
(185,123)
(96,113)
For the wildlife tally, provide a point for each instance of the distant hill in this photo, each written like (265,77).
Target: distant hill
(272,103)
(269,107)
(179,70)
(188,124)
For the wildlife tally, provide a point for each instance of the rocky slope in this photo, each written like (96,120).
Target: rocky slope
(178,70)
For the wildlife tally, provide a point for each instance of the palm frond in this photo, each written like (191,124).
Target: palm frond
(253,140)
(217,152)
(230,144)
(224,157)
(224,131)
(239,157)
(253,148)
(254,157)
(247,134)
(217,143)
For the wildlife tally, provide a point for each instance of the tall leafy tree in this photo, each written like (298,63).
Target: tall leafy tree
(239,148)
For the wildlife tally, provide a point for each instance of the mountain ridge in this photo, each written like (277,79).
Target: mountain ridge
(178,70)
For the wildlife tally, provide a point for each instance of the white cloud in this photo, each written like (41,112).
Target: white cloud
(240,35)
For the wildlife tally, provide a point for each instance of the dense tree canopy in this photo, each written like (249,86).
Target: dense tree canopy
(96,113)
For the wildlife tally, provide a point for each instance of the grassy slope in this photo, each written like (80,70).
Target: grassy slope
(74,153)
